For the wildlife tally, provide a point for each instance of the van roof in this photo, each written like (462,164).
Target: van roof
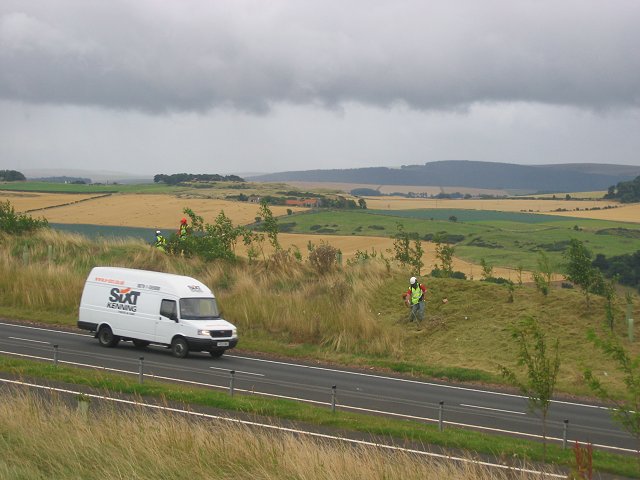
(180,285)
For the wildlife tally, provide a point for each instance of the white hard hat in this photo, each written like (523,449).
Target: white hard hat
(157,232)
(412,280)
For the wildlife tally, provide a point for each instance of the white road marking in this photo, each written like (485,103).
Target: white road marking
(29,340)
(494,409)
(316,402)
(382,377)
(47,330)
(238,371)
(291,430)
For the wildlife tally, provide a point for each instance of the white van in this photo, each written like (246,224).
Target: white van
(152,307)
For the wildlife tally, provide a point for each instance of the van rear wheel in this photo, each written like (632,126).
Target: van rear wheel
(179,347)
(107,338)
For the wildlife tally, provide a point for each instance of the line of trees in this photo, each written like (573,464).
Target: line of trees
(177,178)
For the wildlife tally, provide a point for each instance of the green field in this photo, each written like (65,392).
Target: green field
(505,239)
(50,187)
(107,231)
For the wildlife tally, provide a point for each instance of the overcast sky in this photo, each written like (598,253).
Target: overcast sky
(238,86)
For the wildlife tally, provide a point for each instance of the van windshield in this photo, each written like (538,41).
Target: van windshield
(199,308)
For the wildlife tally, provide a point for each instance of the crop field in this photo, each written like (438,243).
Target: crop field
(505,239)
(146,210)
(500,205)
(28,201)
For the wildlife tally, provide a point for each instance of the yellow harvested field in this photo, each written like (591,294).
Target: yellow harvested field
(501,205)
(23,201)
(619,213)
(148,211)
(349,245)
(623,213)
(162,211)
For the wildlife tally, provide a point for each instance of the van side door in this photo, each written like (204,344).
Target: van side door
(167,322)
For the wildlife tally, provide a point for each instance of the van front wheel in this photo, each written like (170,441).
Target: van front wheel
(107,338)
(179,347)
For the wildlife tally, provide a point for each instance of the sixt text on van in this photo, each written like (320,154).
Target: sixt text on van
(123,299)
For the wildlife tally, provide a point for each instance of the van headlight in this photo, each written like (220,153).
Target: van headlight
(204,332)
(234,332)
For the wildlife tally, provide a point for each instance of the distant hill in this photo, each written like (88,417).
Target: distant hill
(568,177)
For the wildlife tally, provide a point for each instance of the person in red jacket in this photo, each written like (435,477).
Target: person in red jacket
(414,298)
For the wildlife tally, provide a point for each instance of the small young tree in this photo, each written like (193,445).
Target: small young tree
(405,253)
(579,269)
(625,409)
(519,269)
(544,266)
(541,283)
(444,253)
(402,246)
(269,225)
(416,255)
(610,295)
(542,368)
(487,269)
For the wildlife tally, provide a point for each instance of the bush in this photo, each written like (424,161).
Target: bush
(17,223)
(323,258)
(438,273)
(498,280)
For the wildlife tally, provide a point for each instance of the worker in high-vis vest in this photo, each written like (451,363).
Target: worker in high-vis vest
(414,298)
(161,242)
(183,230)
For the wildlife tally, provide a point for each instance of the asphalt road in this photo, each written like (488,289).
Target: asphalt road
(356,390)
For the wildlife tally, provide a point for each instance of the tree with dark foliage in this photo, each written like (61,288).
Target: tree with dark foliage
(626,192)
(11,176)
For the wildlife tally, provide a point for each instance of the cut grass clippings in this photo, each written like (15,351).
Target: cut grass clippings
(451,438)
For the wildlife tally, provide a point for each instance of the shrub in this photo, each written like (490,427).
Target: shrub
(17,223)
(498,280)
(323,258)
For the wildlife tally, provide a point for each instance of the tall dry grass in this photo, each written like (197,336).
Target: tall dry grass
(43,438)
(285,298)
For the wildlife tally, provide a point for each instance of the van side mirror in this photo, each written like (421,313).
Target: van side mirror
(174,317)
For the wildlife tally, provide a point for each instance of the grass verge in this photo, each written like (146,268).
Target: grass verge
(452,438)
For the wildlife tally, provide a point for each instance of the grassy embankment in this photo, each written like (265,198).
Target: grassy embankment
(63,444)
(506,239)
(506,450)
(353,315)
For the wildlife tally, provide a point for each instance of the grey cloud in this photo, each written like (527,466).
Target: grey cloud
(158,56)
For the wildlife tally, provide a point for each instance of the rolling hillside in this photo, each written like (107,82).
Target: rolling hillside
(464,173)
